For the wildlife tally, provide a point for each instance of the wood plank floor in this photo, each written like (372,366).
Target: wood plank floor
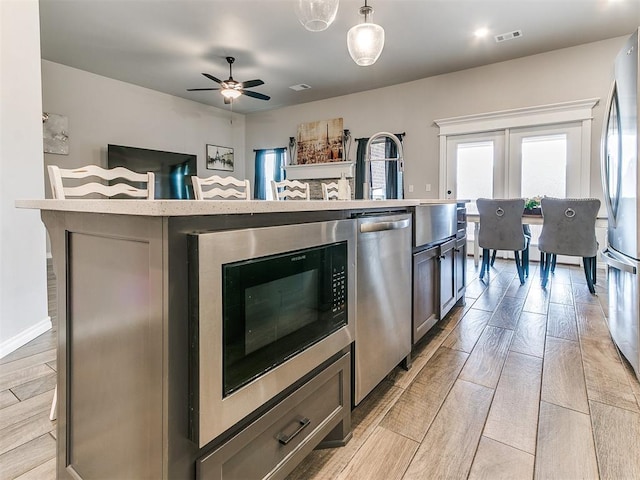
(27,381)
(521,382)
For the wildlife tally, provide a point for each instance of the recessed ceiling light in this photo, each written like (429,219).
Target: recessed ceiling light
(481,32)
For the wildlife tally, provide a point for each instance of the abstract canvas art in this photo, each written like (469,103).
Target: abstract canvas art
(320,142)
(55,134)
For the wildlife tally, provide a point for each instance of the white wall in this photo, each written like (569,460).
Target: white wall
(574,73)
(23,280)
(103,111)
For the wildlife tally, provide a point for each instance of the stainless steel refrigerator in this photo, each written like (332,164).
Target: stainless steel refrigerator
(621,184)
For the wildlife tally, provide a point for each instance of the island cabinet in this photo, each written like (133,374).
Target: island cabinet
(460,252)
(140,342)
(439,265)
(426,303)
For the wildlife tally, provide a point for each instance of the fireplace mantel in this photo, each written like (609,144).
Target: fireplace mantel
(320,170)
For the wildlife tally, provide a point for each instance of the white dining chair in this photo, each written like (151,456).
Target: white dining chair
(223,187)
(84,187)
(330,191)
(81,189)
(287,189)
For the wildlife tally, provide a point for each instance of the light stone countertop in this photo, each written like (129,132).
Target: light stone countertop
(179,208)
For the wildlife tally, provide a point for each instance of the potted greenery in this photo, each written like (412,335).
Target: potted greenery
(532,206)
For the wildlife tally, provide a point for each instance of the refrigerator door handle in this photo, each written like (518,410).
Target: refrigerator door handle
(617,263)
(603,156)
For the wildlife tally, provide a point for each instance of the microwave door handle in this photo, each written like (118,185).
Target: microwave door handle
(382,226)
(617,264)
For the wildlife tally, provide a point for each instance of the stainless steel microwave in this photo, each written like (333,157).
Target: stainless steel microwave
(271,305)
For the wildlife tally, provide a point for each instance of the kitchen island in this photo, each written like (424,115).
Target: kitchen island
(129,307)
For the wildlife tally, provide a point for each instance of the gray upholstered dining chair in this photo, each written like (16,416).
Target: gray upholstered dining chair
(526,230)
(501,229)
(569,228)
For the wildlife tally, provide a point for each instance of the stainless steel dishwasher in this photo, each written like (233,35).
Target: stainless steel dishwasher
(383,308)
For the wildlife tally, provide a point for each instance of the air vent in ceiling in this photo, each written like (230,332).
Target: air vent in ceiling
(508,36)
(300,86)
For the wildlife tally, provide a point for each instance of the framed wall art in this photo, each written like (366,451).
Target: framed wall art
(320,142)
(219,158)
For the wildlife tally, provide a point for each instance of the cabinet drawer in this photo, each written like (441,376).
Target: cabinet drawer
(276,442)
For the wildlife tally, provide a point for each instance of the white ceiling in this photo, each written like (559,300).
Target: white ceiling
(166,44)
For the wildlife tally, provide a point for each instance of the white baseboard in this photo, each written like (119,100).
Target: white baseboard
(24,337)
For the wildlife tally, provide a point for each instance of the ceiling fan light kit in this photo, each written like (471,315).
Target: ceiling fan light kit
(316,15)
(231,93)
(232,89)
(366,40)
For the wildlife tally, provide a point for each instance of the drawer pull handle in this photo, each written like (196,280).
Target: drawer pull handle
(302,422)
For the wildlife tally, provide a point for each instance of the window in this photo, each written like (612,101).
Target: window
(526,152)
(534,148)
(269,166)
(544,166)
(474,167)
(378,171)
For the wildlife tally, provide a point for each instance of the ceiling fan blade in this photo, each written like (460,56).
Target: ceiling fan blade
(200,89)
(256,95)
(211,77)
(251,83)
(227,101)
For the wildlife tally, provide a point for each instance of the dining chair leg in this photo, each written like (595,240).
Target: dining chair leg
(586,261)
(485,263)
(493,257)
(545,262)
(519,267)
(525,260)
(594,268)
(554,257)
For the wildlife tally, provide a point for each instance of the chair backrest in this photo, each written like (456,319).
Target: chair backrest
(290,189)
(330,190)
(501,224)
(569,226)
(60,192)
(223,187)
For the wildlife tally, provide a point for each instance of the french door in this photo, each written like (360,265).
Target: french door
(519,162)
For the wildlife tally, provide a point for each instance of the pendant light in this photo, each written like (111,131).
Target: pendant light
(366,40)
(316,15)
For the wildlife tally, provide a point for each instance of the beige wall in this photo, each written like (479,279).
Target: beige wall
(23,268)
(103,111)
(574,73)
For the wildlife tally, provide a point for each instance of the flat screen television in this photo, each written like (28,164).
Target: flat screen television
(173,171)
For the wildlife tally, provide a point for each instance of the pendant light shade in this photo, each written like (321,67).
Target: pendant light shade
(366,40)
(316,15)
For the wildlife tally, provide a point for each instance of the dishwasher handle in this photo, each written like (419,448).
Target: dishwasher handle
(617,264)
(382,226)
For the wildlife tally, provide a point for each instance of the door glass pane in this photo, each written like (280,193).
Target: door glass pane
(474,172)
(544,166)
(544,170)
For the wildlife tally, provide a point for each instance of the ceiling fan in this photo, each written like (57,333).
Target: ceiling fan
(231,89)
